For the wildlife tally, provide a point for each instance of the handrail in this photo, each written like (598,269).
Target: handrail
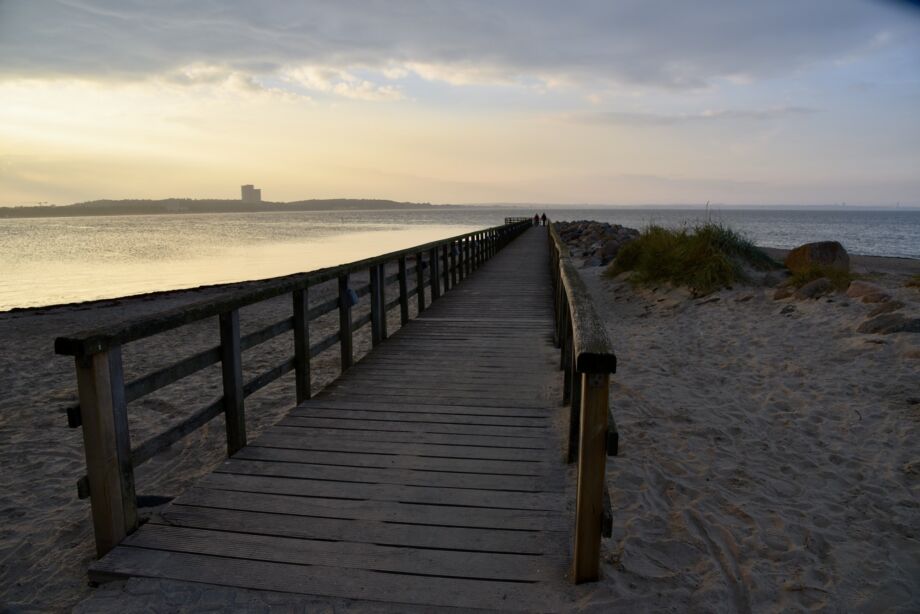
(104,395)
(588,360)
(96,340)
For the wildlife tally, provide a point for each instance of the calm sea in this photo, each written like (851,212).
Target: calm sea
(61,260)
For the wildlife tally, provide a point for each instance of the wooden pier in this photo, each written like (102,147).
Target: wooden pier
(432,473)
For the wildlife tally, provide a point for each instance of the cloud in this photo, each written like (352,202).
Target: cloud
(340,82)
(674,44)
(619,118)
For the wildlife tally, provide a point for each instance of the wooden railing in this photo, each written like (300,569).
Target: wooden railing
(588,360)
(515,220)
(104,395)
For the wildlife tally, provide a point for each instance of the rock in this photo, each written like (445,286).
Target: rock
(770,280)
(889,323)
(876,297)
(858,288)
(787,310)
(783,292)
(886,307)
(592,261)
(823,253)
(815,289)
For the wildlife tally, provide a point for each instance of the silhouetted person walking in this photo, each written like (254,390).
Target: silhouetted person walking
(544,219)
(536,219)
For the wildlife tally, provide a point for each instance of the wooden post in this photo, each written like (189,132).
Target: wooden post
(345,322)
(403,292)
(107,445)
(589,506)
(420,282)
(302,344)
(454,270)
(231,361)
(378,317)
(434,276)
(445,257)
(575,393)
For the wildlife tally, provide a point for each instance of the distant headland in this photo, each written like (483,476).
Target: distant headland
(210,205)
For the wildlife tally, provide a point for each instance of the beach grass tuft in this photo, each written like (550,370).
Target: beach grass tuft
(703,258)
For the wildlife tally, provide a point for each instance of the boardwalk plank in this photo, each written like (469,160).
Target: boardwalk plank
(430,475)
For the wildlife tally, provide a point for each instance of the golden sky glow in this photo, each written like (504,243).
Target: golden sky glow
(838,126)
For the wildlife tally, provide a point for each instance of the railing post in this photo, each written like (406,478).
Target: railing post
(403,292)
(378,302)
(454,264)
(575,406)
(592,463)
(345,322)
(446,262)
(107,445)
(231,362)
(420,282)
(434,276)
(302,344)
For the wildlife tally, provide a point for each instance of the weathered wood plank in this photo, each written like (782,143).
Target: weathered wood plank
(349,555)
(385,492)
(381,511)
(325,581)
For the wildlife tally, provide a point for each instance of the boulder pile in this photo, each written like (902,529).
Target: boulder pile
(596,242)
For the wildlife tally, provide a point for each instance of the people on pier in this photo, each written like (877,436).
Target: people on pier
(536,219)
(543,218)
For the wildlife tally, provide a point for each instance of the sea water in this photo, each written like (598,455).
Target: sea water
(46,261)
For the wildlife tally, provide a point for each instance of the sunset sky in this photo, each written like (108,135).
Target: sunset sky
(607,102)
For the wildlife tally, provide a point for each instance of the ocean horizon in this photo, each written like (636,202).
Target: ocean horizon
(48,261)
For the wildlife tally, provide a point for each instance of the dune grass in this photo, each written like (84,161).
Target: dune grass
(913,282)
(703,258)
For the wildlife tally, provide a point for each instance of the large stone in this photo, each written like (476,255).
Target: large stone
(886,307)
(823,254)
(889,323)
(783,292)
(858,288)
(815,289)
(876,297)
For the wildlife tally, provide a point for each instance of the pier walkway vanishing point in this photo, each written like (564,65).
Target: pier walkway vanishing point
(432,473)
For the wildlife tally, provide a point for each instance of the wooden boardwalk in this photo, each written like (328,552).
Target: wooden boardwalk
(430,474)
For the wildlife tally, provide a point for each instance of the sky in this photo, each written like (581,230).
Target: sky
(584,102)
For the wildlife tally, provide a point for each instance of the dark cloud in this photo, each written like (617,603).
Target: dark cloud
(673,44)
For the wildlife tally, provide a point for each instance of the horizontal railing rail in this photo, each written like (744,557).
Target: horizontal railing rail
(587,358)
(104,395)
(515,220)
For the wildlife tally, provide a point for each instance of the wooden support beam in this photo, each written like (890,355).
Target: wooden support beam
(420,282)
(107,445)
(445,261)
(454,264)
(345,323)
(231,361)
(302,344)
(403,292)
(589,493)
(378,311)
(434,275)
(575,415)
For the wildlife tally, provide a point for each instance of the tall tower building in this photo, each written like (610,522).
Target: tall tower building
(251,194)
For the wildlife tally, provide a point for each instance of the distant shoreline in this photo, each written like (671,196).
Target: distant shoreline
(186,206)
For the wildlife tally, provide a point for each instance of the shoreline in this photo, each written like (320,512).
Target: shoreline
(885,263)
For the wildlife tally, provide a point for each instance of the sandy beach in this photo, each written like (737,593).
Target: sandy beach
(768,460)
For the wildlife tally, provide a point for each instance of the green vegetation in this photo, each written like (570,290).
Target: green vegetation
(840,279)
(914,281)
(704,258)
